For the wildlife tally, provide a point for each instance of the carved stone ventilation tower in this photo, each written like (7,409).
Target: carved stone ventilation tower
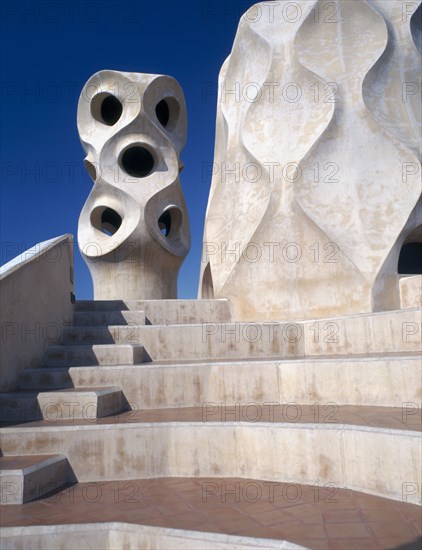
(133,230)
(316,178)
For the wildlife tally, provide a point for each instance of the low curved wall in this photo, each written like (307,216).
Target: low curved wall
(36,291)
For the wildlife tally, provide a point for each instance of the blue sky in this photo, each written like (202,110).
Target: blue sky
(49,49)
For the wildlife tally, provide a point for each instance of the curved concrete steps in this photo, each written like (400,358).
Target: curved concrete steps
(370,449)
(334,403)
(366,334)
(387,381)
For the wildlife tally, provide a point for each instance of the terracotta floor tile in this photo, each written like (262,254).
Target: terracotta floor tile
(163,500)
(417,526)
(157,490)
(305,531)
(315,525)
(237,526)
(385,515)
(273,517)
(413,513)
(183,485)
(313,519)
(342,516)
(198,497)
(393,529)
(256,507)
(225,512)
(366,502)
(347,530)
(186,521)
(301,511)
(173,509)
(343,505)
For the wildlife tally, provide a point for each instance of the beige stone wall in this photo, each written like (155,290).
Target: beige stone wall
(36,302)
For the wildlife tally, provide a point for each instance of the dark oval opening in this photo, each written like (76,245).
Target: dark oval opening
(137,161)
(416,27)
(111,110)
(110,221)
(106,220)
(170,223)
(163,112)
(106,108)
(164,223)
(167,112)
(410,259)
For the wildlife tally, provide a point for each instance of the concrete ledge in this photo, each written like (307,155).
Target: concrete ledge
(396,331)
(373,460)
(101,354)
(163,312)
(110,536)
(77,403)
(98,319)
(27,478)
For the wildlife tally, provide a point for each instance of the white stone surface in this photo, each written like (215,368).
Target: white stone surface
(115,535)
(133,155)
(411,292)
(36,302)
(316,174)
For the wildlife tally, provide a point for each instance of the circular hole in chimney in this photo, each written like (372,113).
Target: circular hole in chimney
(106,220)
(167,112)
(164,223)
(170,222)
(137,161)
(106,108)
(163,112)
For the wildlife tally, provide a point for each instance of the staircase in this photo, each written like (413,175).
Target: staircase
(177,389)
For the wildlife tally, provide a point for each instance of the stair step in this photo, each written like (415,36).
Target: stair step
(81,403)
(101,334)
(344,380)
(46,378)
(26,478)
(165,312)
(382,460)
(69,356)
(20,406)
(107,318)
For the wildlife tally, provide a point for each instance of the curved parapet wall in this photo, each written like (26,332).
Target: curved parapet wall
(133,229)
(316,175)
